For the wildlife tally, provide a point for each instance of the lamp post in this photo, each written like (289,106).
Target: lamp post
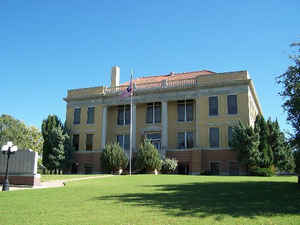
(7,149)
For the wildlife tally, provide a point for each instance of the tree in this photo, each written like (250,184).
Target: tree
(23,136)
(68,150)
(245,141)
(282,150)
(261,127)
(113,158)
(53,146)
(148,158)
(290,82)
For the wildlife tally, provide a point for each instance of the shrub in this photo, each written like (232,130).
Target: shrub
(263,172)
(113,158)
(148,158)
(169,165)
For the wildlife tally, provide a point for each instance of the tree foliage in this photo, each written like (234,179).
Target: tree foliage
(113,158)
(25,137)
(245,141)
(290,82)
(148,158)
(263,146)
(53,147)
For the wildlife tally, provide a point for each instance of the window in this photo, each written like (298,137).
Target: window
(234,168)
(90,115)
(77,116)
(214,137)
(76,142)
(229,135)
(185,110)
(124,115)
(215,168)
(153,114)
(155,139)
(185,140)
(213,105)
(124,141)
(232,104)
(89,142)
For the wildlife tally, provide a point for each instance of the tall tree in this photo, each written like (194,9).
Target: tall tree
(245,141)
(23,136)
(261,127)
(282,151)
(290,82)
(68,149)
(53,147)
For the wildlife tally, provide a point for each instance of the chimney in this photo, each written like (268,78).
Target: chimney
(115,76)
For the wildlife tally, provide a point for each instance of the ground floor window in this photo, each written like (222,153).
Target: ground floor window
(185,140)
(88,168)
(155,139)
(89,142)
(215,168)
(124,141)
(234,168)
(183,168)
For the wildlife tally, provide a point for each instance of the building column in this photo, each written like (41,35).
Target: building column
(164,120)
(134,127)
(197,122)
(104,126)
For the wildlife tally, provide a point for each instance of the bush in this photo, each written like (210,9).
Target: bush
(148,158)
(263,172)
(169,165)
(113,158)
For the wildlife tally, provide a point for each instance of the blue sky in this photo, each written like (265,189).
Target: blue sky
(48,47)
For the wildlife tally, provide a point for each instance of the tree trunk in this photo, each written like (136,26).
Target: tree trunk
(299,179)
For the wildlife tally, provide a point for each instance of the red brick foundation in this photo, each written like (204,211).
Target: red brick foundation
(195,161)
(88,162)
(199,160)
(31,180)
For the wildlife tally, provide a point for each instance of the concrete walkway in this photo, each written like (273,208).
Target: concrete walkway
(53,183)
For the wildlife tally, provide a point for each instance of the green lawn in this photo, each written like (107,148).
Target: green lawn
(66,177)
(163,199)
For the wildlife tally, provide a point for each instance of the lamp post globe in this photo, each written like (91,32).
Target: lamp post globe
(8,150)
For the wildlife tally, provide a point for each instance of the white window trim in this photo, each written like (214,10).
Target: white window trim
(185,111)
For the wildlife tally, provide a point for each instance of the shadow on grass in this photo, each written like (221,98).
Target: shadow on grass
(240,199)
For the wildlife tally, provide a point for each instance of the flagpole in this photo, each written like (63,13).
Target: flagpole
(131,117)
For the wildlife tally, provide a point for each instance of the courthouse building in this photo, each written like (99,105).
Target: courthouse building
(188,116)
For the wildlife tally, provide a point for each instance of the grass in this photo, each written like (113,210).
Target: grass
(65,177)
(163,199)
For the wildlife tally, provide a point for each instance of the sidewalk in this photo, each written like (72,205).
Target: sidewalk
(52,183)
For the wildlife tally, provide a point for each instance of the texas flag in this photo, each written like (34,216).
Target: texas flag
(128,91)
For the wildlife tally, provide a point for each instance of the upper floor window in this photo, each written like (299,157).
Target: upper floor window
(185,110)
(229,135)
(124,141)
(77,116)
(124,115)
(232,104)
(153,114)
(213,105)
(76,142)
(214,137)
(185,140)
(90,115)
(89,142)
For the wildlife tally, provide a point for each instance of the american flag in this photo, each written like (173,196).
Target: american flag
(128,91)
